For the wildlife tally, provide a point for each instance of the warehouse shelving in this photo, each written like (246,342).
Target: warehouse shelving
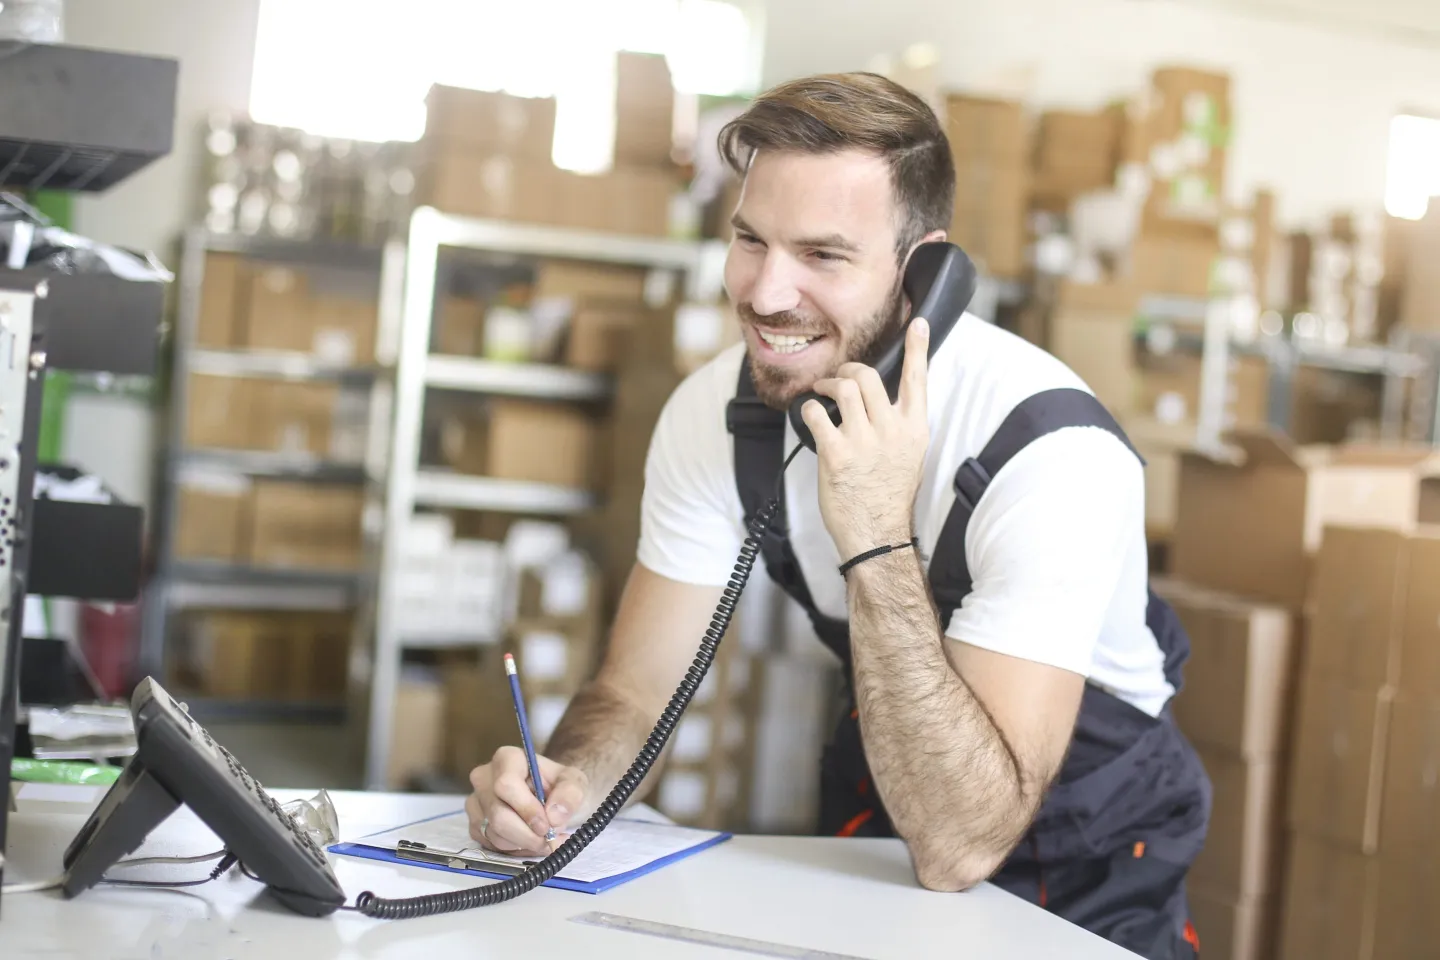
(75,119)
(1397,362)
(181,584)
(407,300)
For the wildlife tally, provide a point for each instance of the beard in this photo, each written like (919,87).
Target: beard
(778,386)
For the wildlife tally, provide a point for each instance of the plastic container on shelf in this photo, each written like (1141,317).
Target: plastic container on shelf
(36,21)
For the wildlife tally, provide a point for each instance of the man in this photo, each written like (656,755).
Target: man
(1045,672)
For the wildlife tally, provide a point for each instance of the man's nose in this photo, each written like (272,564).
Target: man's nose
(776,289)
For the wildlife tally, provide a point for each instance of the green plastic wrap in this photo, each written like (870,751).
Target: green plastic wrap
(62,771)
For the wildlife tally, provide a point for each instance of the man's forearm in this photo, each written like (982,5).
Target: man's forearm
(601,733)
(952,786)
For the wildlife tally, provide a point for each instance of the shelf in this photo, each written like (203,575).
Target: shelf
(217,585)
(96,322)
(447,642)
(313,252)
(1174,309)
(74,118)
(275,364)
(1361,359)
(439,488)
(545,381)
(524,239)
(277,466)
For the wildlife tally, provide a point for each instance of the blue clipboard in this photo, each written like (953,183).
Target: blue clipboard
(361,849)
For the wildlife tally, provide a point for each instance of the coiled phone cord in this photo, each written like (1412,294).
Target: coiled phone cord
(373,906)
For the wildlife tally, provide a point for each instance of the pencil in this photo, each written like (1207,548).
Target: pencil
(514,674)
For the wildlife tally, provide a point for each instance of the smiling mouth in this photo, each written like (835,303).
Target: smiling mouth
(784,343)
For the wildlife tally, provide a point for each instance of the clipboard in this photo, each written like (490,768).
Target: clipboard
(415,853)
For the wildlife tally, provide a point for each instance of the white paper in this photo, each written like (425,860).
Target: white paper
(59,792)
(626,845)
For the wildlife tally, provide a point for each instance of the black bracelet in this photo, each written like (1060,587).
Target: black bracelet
(872,554)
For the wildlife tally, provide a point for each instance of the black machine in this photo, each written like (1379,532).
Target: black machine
(178,762)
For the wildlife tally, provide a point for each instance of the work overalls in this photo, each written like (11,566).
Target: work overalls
(1119,828)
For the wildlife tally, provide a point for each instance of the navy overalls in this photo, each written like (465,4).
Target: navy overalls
(1119,828)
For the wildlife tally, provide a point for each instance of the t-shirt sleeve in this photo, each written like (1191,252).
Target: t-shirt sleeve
(691,528)
(1047,546)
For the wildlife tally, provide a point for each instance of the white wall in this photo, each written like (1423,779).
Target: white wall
(214,41)
(1312,105)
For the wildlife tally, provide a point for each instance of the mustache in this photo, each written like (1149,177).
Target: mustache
(785,320)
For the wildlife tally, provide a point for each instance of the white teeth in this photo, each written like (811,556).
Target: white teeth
(785,343)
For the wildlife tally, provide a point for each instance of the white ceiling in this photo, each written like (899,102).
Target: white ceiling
(1410,21)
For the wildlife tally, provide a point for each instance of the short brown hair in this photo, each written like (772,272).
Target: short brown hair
(837,111)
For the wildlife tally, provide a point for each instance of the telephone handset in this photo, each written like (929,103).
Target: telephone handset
(939,282)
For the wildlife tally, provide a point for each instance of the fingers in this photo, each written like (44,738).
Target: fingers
(872,389)
(564,793)
(846,393)
(916,366)
(815,417)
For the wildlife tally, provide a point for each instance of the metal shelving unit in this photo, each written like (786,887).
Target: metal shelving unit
(407,299)
(78,119)
(1396,363)
(182,584)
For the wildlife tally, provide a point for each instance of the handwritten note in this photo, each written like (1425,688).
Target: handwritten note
(625,845)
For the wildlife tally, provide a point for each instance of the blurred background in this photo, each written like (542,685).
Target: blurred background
(433,268)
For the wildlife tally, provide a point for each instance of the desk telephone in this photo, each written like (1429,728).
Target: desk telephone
(178,762)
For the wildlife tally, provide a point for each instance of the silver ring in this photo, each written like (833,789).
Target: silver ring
(484,825)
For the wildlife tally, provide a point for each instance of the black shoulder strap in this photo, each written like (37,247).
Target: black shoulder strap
(759,434)
(1034,417)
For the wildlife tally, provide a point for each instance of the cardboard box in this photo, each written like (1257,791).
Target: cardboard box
(1406,921)
(417,739)
(1339,768)
(483,121)
(217,409)
(278,309)
(306,525)
(1185,119)
(211,512)
(991,201)
(1244,855)
(492,186)
(223,290)
(1410,819)
(595,335)
(1076,152)
(1169,387)
(460,327)
(296,418)
(627,200)
(272,656)
(1249,524)
(1239,681)
(1175,265)
(1420,301)
(577,281)
(479,713)
(644,110)
(1235,929)
(1357,600)
(523,440)
(1099,346)
(982,128)
(1331,895)
(1160,444)
(1420,633)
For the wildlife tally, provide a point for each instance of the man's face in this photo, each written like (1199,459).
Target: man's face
(812,270)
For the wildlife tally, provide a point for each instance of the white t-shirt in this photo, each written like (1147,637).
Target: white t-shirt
(1056,547)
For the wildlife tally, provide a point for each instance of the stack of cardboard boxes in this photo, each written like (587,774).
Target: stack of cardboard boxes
(268,656)
(489,155)
(1075,152)
(990,143)
(1291,555)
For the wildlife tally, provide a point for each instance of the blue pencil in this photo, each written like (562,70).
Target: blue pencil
(513,673)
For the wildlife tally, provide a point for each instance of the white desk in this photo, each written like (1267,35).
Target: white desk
(854,897)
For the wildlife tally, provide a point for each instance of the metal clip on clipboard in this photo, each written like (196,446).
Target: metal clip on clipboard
(410,850)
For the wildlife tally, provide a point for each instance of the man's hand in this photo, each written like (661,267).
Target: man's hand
(871,465)
(506,816)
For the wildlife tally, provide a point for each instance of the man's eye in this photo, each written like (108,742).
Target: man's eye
(747,238)
(827,255)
